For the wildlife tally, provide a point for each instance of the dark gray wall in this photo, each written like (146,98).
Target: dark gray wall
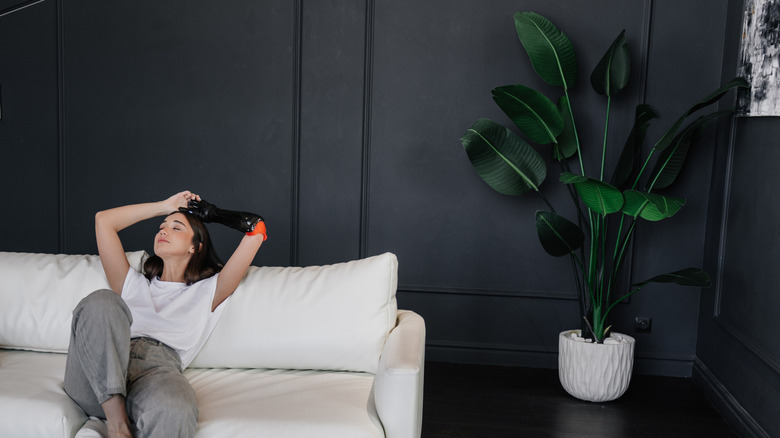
(339,122)
(30,155)
(737,362)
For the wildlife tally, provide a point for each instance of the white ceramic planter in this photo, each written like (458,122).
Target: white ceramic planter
(595,372)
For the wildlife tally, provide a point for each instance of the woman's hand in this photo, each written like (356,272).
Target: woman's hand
(180,200)
(108,223)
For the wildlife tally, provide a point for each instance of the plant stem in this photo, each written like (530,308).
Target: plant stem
(574,129)
(652,184)
(642,170)
(617,256)
(617,301)
(604,144)
(605,283)
(544,198)
(573,195)
(595,295)
(626,241)
(598,324)
(580,292)
(590,327)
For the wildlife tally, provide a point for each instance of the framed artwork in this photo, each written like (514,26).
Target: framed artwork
(759,61)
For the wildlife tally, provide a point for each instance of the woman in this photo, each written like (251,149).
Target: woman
(129,346)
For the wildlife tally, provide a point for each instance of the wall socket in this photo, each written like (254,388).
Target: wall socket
(643,324)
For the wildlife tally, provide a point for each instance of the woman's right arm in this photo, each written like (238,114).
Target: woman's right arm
(109,223)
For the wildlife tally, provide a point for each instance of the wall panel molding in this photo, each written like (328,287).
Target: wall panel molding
(368,84)
(517,348)
(61,124)
(508,293)
(644,61)
(723,235)
(729,327)
(746,341)
(29,128)
(295,142)
(334,131)
(544,357)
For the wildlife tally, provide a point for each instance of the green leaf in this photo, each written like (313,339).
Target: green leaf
(532,112)
(671,160)
(507,163)
(567,139)
(711,98)
(599,196)
(612,72)
(558,235)
(550,50)
(650,206)
(686,277)
(628,165)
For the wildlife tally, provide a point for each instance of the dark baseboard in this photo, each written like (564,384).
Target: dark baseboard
(720,397)
(534,357)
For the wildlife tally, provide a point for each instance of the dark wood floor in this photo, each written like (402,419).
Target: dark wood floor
(490,401)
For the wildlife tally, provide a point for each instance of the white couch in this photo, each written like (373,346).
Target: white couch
(320,351)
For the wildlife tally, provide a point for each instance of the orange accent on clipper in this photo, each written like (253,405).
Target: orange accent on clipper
(259,229)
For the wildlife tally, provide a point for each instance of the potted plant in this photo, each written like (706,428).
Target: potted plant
(608,206)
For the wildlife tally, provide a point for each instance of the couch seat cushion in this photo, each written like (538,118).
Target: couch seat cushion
(261,403)
(32,401)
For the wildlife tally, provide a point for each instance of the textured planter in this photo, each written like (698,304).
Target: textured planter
(595,372)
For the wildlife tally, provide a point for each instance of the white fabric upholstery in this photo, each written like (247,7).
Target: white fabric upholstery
(398,386)
(333,317)
(319,351)
(32,401)
(38,293)
(257,403)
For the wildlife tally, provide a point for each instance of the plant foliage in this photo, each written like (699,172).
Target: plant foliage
(607,211)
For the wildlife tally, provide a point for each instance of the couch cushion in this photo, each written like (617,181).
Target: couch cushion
(38,293)
(333,317)
(32,401)
(284,403)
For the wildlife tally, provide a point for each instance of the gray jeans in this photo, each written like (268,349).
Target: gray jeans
(103,361)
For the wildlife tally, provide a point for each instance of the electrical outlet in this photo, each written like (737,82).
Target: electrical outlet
(643,324)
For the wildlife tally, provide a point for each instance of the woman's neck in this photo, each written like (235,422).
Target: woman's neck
(173,270)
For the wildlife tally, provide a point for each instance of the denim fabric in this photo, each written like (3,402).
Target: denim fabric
(103,361)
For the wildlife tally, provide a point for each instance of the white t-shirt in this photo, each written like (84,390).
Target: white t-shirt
(176,314)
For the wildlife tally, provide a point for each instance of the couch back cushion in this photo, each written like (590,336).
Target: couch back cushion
(38,293)
(333,317)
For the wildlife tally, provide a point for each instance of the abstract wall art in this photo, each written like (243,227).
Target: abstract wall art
(759,61)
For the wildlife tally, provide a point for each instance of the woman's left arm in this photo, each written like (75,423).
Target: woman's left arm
(235,268)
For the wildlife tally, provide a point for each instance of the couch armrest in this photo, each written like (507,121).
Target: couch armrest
(398,385)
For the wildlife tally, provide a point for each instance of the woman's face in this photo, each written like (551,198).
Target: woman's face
(174,237)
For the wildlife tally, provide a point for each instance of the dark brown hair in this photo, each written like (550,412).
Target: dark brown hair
(204,263)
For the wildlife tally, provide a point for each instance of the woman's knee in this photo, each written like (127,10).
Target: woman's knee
(103,301)
(100,297)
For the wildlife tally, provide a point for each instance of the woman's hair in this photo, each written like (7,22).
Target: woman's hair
(204,263)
